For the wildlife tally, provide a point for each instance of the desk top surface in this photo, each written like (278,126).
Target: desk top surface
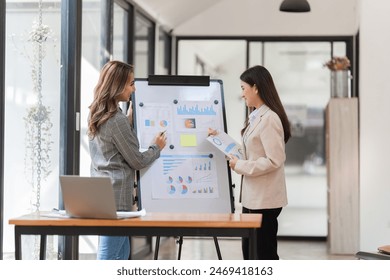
(204,220)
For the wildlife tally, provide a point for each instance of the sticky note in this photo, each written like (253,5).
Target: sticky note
(188,140)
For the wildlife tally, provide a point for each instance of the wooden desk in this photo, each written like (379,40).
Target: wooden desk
(152,224)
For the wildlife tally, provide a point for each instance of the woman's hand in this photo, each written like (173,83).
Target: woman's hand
(232,161)
(161,140)
(212,132)
(130,113)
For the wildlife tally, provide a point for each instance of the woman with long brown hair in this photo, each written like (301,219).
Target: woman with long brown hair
(114,147)
(264,135)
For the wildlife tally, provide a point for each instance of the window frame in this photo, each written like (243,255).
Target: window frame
(352,48)
(2,117)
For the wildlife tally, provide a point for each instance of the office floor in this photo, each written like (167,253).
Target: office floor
(204,248)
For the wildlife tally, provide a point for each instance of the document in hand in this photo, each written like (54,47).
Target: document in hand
(226,144)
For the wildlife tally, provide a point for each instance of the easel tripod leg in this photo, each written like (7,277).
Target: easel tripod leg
(180,242)
(217,248)
(157,247)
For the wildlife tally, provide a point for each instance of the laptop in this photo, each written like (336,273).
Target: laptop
(92,198)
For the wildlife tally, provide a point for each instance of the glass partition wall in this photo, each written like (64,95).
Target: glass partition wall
(304,86)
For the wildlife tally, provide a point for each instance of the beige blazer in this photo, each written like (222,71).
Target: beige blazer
(263,185)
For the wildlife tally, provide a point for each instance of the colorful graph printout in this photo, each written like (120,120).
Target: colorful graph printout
(190,175)
(186,176)
(157,117)
(226,144)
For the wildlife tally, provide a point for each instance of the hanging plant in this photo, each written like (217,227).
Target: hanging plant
(38,148)
(37,120)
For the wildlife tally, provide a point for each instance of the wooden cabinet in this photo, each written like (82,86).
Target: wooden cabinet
(342,151)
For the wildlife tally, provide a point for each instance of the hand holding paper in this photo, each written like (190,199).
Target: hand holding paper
(225,143)
(212,132)
(233,161)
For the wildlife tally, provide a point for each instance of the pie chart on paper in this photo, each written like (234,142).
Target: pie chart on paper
(172,189)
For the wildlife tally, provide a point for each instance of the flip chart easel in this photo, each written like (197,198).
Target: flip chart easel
(191,175)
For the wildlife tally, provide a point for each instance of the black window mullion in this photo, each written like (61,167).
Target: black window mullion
(151,47)
(130,35)
(168,52)
(70,105)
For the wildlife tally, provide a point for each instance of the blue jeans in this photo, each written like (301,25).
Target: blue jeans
(113,248)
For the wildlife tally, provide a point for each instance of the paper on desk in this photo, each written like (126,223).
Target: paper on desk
(131,214)
(55,214)
(226,144)
(120,214)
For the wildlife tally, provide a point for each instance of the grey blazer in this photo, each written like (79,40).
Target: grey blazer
(115,153)
(263,185)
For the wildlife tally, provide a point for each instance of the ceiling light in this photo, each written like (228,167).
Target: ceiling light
(295,6)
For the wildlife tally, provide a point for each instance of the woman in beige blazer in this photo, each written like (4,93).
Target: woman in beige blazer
(266,131)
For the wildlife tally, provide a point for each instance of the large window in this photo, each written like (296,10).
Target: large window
(119,36)
(163,59)
(91,60)
(32,95)
(144,46)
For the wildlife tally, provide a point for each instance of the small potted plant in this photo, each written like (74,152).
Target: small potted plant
(339,67)
(338,63)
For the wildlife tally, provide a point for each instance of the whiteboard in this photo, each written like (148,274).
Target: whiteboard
(191,175)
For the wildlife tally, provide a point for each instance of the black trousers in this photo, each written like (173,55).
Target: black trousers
(267,244)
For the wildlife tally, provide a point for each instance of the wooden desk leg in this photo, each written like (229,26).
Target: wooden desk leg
(42,248)
(18,244)
(252,244)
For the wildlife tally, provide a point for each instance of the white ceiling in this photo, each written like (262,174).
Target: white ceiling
(253,17)
(173,13)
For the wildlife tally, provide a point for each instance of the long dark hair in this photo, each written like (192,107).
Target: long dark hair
(260,76)
(112,81)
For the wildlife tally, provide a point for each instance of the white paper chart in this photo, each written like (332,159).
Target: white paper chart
(226,144)
(191,175)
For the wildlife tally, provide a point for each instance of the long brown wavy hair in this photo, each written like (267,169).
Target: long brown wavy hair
(260,76)
(112,81)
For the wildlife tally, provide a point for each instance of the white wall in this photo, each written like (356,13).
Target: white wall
(374,126)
